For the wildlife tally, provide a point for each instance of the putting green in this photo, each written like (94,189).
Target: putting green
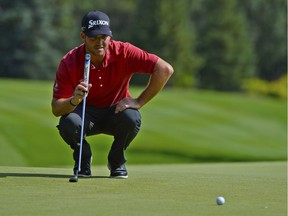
(190,189)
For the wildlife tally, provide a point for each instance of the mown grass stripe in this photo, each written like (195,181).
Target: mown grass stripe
(178,126)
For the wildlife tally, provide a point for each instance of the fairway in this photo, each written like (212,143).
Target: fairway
(250,189)
(179,126)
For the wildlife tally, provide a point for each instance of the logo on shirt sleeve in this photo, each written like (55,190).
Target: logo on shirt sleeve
(55,86)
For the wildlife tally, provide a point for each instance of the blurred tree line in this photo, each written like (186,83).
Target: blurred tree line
(211,44)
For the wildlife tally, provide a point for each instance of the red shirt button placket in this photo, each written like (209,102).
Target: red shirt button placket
(101,85)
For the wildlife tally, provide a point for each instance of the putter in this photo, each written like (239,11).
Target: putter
(86,80)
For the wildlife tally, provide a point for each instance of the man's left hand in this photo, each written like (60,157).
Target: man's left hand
(127,103)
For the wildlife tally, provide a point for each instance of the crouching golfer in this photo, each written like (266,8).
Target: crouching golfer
(110,109)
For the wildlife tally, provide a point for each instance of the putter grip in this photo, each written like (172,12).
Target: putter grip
(87,68)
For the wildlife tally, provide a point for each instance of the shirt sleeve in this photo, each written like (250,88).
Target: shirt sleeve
(63,87)
(139,61)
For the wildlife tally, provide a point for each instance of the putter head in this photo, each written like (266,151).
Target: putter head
(74,178)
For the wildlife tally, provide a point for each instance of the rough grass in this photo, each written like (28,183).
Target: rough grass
(249,189)
(179,126)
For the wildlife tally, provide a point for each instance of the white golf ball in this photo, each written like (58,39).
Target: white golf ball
(220,200)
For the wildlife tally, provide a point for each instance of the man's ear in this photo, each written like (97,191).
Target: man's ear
(82,35)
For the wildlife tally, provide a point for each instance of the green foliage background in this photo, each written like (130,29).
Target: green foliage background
(211,44)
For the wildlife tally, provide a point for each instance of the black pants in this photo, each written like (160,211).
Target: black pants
(124,126)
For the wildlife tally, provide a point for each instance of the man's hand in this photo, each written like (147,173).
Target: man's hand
(127,103)
(63,106)
(79,92)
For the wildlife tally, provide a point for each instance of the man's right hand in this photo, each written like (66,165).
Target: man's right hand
(63,106)
(79,93)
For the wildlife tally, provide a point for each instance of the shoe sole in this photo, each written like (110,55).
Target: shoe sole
(119,177)
(84,176)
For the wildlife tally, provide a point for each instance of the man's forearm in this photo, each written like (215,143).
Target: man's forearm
(160,76)
(62,106)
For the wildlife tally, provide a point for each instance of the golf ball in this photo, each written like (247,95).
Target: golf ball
(220,200)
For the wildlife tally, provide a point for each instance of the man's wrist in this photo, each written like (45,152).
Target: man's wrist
(71,102)
(139,102)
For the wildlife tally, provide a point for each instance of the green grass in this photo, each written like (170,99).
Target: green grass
(188,189)
(178,126)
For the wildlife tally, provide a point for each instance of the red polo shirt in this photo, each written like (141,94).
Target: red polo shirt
(110,81)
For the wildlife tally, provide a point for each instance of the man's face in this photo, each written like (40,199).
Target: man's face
(96,45)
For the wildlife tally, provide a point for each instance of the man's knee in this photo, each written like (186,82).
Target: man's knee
(69,128)
(131,119)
